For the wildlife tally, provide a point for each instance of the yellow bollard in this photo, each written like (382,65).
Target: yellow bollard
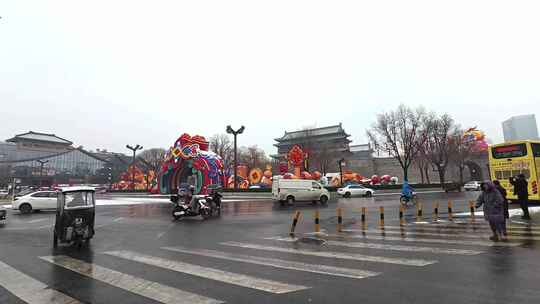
(450,215)
(295,221)
(363,219)
(419,212)
(317,221)
(339,219)
(401,219)
(436,212)
(381,209)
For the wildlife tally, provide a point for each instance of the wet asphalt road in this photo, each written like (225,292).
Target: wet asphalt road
(246,256)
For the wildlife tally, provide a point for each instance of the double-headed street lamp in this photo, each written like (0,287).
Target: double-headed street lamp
(230,130)
(134,150)
(341,164)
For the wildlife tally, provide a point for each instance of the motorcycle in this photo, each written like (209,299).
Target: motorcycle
(181,209)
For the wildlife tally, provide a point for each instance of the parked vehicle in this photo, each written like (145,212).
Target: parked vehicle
(40,200)
(451,186)
(3,215)
(355,190)
(292,190)
(75,216)
(4,194)
(472,186)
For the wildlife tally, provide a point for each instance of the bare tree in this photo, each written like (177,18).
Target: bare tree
(152,158)
(423,164)
(438,132)
(253,157)
(461,151)
(398,133)
(222,146)
(322,157)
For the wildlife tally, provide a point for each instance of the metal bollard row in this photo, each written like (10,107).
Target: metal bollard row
(363,218)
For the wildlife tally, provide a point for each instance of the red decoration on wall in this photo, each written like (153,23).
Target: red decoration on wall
(296,156)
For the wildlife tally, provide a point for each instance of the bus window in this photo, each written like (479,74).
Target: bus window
(515,172)
(527,173)
(510,151)
(535,149)
(498,175)
(507,174)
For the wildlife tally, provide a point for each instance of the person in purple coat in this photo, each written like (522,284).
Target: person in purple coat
(493,203)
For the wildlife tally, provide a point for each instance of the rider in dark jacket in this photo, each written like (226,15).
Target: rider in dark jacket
(521,189)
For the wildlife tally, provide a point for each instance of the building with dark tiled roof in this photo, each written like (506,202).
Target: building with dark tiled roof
(325,146)
(43,159)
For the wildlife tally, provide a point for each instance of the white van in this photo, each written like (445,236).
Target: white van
(292,190)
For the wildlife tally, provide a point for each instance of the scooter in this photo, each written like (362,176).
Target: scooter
(182,209)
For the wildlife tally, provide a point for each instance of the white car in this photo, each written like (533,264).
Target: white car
(358,190)
(472,186)
(39,200)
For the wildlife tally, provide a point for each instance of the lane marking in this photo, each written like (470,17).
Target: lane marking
(161,234)
(462,235)
(283,264)
(136,285)
(335,255)
(29,289)
(425,240)
(388,247)
(37,221)
(209,273)
(118,219)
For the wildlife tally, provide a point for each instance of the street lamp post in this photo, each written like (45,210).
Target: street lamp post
(41,164)
(134,150)
(230,130)
(341,164)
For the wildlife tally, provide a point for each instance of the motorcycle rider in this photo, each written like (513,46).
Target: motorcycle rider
(191,199)
(407,191)
(216,197)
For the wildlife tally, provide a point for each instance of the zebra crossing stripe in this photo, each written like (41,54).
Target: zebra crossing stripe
(470,235)
(458,231)
(29,289)
(209,273)
(424,240)
(389,247)
(136,285)
(513,228)
(335,255)
(283,264)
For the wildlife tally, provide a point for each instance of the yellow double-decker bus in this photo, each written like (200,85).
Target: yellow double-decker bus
(512,158)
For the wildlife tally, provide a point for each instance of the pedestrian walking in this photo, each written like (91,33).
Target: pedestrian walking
(521,189)
(493,204)
(503,193)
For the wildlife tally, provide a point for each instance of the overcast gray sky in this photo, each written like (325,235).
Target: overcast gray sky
(107,73)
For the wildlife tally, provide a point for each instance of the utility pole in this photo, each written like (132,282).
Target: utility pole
(134,150)
(235,134)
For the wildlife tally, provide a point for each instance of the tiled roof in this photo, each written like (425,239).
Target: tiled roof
(360,148)
(312,132)
(44,137)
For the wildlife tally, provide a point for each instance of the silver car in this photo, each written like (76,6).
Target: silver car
(472,186)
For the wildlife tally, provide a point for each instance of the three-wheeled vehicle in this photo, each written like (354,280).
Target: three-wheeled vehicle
(75,215)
